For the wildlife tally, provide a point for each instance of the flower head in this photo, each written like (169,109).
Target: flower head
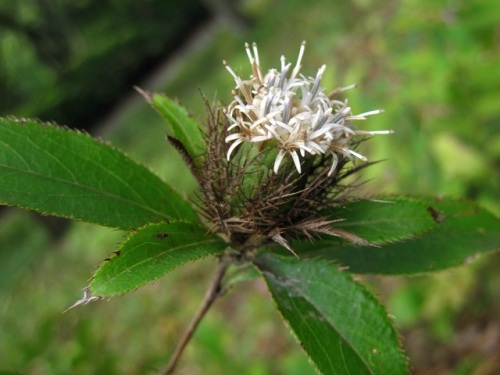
(292,111)
(278,158)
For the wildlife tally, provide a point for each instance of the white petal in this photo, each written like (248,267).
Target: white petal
(317,81)
(374,132)
(296,69)
(232,137)
(316,147)
(259,138)
(284,126)
(228,68)
(272,130)
(232,147)
(259,122)
(283,62)
(278,160)
(296,160)
(249,54)
(358,155)
(236,124)
(256,53)
(334,164)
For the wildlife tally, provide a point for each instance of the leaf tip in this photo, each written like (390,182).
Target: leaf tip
(87,297)
(145,94)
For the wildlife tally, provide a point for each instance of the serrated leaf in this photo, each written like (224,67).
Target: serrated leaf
(61,172)
(384,219)
(180,124)
(340,325)
(152,252)
(463,230)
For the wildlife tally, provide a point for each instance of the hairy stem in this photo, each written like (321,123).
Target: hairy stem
(211,295)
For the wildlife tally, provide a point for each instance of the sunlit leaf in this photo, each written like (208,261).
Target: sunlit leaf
(384,219)
(152,252)
(61,172)
(180,124)
(339,324)
(463,230)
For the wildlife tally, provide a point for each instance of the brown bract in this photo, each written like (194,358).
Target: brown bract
(244,200)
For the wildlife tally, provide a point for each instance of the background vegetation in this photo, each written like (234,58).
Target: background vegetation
(432,65)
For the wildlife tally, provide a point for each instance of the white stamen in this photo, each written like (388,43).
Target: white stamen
(374,132)
(363,115)
(359,156)
(256,53)
(249,54)
(297,67)
(293,112)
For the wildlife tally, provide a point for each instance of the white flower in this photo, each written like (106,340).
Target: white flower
(293,111)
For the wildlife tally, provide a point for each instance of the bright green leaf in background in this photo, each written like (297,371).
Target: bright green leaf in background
(152,252)
(180,124)
(462,231)
(60,172)
(340,325)
(384,219)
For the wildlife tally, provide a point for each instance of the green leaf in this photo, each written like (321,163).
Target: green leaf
(152,252)
(60,172)
(340,325)
(384,219)
(180,124)
(463,230)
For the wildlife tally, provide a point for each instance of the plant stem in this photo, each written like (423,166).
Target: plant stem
(210,296)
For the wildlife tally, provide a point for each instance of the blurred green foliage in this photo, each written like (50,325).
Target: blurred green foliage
(432,65)
(69,61)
